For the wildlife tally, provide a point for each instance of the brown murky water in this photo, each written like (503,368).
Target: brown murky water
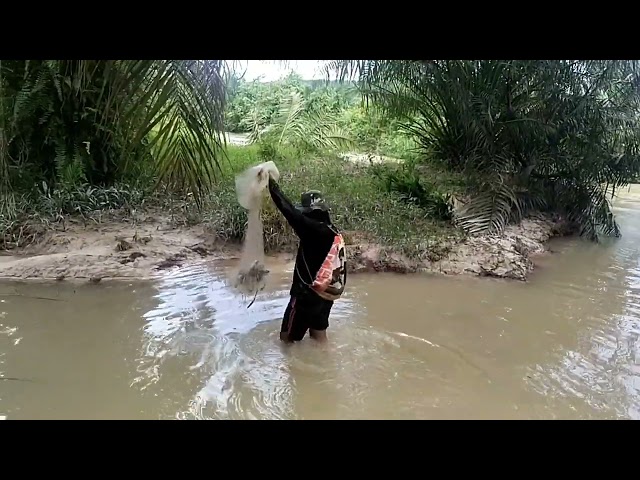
(564,345)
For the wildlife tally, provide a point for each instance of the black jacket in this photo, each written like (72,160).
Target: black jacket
(316,238)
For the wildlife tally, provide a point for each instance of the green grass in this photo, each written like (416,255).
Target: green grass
(361,205)
(356,196)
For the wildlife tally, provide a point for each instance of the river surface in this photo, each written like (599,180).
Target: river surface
(565,345)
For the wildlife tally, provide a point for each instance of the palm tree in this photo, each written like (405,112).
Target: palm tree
(300,125)
(104,120)
(529,135)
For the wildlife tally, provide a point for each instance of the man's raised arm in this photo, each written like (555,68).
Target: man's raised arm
(300,224)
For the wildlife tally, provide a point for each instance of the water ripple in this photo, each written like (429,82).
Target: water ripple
(242,376)
(604,371)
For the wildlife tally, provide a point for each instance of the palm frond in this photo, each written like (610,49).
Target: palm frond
(490,211)
(298,124)
(534,134)
(164,117)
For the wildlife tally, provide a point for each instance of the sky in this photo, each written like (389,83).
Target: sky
(307,69)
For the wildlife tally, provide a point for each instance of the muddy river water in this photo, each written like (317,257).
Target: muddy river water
(565,345)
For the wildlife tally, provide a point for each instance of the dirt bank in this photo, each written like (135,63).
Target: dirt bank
(510,255)
(123,249)
(115,248)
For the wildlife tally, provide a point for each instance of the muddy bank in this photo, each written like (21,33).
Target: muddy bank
(114,249)
(123,249)
(510,255)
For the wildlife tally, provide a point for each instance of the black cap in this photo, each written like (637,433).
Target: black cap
(312,200)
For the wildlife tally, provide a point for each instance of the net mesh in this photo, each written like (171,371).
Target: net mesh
(250,191)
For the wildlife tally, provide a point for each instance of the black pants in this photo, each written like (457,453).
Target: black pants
(304,312)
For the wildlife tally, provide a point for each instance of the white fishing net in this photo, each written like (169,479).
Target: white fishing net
(250,190)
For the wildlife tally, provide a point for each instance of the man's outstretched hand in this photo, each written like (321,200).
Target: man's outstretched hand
(265,174)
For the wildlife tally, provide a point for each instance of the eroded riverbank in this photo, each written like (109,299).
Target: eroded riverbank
(118,248)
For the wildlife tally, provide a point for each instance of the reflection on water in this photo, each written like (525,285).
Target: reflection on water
(564,345)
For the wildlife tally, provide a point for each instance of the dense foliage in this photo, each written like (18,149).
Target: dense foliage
(311,114)
(528,135)
(69,122)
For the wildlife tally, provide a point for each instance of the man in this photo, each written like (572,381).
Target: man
(320,273)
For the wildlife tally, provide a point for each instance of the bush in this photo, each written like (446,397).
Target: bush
(405,180)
